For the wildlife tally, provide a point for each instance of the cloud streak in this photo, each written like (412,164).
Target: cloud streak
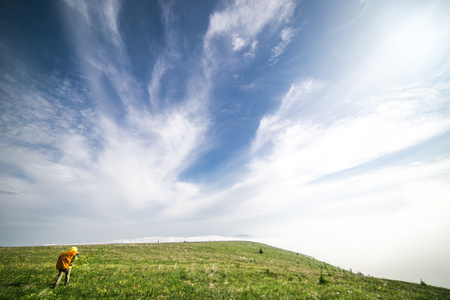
(114,156)
(238,26)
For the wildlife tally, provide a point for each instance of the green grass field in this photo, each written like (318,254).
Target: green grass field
(217,270)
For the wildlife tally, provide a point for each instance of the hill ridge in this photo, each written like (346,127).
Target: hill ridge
(193,270)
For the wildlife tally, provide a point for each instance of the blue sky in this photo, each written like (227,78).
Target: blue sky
(321,127)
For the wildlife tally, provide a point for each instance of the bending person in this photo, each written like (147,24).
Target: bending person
(64,264)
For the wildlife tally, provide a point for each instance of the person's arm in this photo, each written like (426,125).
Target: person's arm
(73,258)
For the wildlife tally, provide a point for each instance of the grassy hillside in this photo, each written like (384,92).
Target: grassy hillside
(219,270)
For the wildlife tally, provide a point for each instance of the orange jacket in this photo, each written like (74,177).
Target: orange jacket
(65,259)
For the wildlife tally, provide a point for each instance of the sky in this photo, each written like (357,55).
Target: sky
(320,127)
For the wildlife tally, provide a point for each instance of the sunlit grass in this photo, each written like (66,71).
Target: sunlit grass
(218,270)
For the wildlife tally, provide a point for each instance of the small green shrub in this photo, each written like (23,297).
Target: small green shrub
(322,279)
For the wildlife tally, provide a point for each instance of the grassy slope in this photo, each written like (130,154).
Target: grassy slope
(228,270)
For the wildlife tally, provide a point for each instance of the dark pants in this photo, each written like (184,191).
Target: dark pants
(60,274)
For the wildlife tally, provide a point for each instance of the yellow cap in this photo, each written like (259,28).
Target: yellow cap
(74,249)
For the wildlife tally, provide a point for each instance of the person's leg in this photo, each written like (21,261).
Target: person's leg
(68,275)
(58,278)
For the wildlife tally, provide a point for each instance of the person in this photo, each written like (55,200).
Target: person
(64,265)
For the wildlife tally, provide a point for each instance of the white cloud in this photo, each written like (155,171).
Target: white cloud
(288,113)
(109,165)
(240,23)
(159,69)
(152,152)
(286,36)
(251,51)
(248,17)
(81,7)
(111,10)
(395,121)
(238,43)
(293,148)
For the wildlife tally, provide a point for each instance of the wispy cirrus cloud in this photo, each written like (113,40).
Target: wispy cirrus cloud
(301,144)
(101,146)
(363,4)
(116,151)
(237,27)
(286,36)
(151,145)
